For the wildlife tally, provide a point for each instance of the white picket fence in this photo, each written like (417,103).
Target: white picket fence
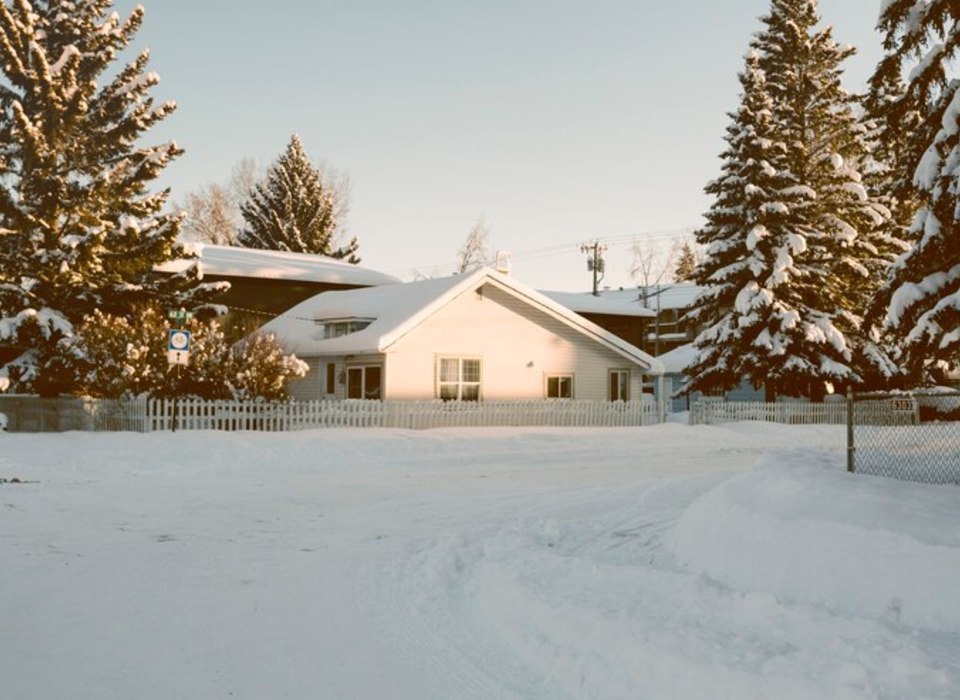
(898,412)
(195,414)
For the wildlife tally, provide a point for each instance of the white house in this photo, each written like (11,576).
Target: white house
(470,337)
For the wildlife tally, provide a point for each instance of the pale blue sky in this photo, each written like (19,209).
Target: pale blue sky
(559,122)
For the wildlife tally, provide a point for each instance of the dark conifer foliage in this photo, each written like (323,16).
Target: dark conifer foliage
(79,228)
(922,40)
(293,210)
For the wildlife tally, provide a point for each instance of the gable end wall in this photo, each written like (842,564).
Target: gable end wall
(519,346)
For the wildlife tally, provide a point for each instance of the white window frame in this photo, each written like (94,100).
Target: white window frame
(623,385)
(560,377)
(460,383)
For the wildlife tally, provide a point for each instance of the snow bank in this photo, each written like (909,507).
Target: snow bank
(800,528)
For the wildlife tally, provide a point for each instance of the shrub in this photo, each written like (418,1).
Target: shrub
(111,356)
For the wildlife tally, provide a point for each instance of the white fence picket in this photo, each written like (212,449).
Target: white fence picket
(712,412)
(193,414)
(148,415)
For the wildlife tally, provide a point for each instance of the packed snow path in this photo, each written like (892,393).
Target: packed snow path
(462,564)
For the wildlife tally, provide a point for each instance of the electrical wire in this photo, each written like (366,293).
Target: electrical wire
(567,248)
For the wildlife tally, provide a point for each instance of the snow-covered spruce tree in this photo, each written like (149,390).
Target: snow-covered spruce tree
(738,246)
(294,210)
(924,286)
(79,229)
(792,240)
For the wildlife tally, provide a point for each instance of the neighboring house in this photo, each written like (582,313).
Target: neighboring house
(622,314)
(669,330)
(650,318)
(266,283)
(675,365)
(470,337)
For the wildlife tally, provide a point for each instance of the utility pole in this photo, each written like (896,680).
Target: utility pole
(595,263)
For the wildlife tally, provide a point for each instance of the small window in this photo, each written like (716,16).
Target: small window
(365,382)
(560,386)
(336,328)
(458,379)
(619,385)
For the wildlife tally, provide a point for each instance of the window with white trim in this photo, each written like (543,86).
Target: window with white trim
(458,378)
(559,386)
(619,385)
(365,382)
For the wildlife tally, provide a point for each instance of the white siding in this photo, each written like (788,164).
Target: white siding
(310,388)
(519,347)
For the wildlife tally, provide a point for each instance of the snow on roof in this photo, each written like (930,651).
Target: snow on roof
(399,308)
(677,360)
(612,303)
(675,295)
(229,261)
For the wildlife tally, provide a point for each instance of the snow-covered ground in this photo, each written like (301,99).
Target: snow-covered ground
(659,562)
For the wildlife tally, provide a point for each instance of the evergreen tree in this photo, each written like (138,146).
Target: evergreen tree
(924,285)
(686,263)
(294,210)
(791,240)
(737,239)
(79,229)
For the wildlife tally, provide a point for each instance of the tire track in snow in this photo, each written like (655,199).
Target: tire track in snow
(426,595)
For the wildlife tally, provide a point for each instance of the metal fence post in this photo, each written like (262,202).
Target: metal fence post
(850,444)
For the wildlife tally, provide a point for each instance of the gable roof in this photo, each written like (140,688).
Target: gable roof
(397,309)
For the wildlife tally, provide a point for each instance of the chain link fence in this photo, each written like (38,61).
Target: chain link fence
(924,446)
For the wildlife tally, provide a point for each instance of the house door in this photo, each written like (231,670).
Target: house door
(365,382)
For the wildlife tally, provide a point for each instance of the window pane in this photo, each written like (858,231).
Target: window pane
(619,384)
(448,392)
(559,387)
(372,382)
(471,370)
(471,392)
(553,387)
(449,370)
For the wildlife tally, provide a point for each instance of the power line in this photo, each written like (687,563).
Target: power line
(566,248)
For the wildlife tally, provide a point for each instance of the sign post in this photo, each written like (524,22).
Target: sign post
(178,346)
(178,350)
